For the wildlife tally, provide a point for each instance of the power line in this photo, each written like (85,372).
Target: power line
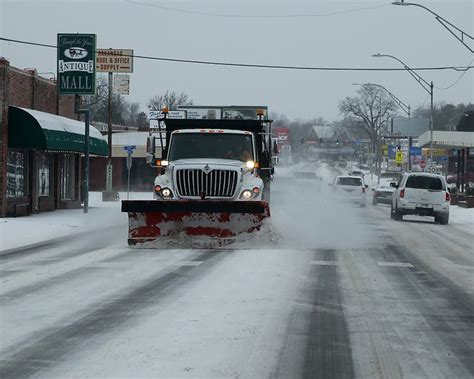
(456,81)
(262,66)
(187,11)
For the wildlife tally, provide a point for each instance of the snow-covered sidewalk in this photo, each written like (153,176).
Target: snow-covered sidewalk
(43,227)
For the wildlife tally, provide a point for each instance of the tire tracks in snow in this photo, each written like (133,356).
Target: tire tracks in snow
(444,306)
(317,341)
(109,316)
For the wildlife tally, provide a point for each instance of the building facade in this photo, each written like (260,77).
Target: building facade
(41,142)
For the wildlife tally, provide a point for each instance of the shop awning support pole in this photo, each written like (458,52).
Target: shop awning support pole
(86,113)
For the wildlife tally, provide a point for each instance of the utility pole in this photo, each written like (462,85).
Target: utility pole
(431,122)
(109,134)
(109,194)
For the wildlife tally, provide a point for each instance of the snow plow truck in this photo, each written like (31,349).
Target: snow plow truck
(214,175)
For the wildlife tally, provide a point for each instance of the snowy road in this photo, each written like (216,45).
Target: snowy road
(345,292)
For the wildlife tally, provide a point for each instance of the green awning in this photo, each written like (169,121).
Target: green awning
(31,129)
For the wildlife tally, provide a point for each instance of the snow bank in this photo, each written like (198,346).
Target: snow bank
(34,229)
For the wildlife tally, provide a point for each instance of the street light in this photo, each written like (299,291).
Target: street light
(446,24)
(401,104)
(451,119)
(428,87)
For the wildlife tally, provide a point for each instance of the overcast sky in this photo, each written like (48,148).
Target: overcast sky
(291,32)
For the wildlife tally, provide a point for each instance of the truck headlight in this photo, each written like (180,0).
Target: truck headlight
(250,165)
(166,192)
(246,195)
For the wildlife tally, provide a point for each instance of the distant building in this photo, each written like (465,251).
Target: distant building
(142,175)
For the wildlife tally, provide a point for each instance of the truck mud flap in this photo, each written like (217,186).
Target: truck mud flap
(152,220)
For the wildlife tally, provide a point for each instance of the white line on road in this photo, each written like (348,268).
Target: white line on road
(188,263)
(394,264)
(324,263)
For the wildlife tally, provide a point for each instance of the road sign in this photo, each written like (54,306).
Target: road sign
(129,149)
(76,64)
(114,60)
(399,156)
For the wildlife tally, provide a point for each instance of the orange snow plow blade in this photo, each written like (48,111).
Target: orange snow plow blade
(152,220)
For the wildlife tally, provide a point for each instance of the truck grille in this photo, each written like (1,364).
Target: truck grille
(217,183)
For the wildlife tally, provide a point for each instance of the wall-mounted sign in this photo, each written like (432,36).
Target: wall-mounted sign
(76,64)
(114,60)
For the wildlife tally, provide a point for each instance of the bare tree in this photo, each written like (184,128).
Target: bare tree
(373,106)
(171,100)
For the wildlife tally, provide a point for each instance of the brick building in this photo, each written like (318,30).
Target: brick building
(40,144)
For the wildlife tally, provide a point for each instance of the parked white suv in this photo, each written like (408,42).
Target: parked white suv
(422,194)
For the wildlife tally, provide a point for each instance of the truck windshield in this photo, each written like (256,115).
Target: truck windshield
(211,145)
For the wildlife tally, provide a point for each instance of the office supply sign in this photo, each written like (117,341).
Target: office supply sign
(114,60)
(76,64)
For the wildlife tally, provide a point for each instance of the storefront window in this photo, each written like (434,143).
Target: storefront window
(16,173)
(44,165)
(68,177)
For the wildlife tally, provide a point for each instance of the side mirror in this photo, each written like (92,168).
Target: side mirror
(150,145)
(151,156)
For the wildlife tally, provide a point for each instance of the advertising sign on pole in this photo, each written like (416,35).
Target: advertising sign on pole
(392,151)
(76,64)
(114,60)
(415,150)
(158,115)
(122,84)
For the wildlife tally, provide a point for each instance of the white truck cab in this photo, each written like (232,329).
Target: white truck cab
(212,164)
